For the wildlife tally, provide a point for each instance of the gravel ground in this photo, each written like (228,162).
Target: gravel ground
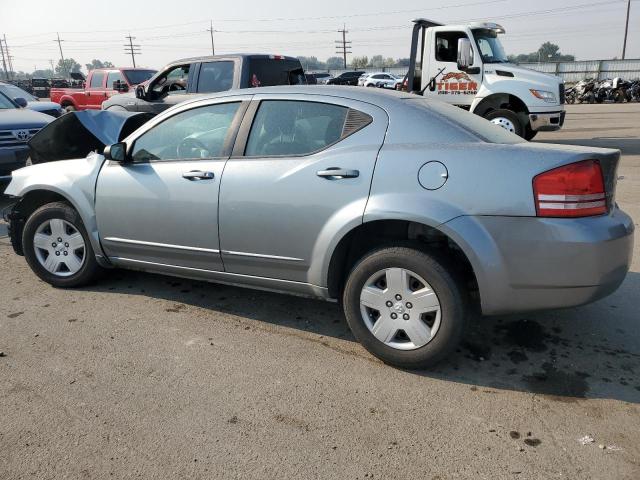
(153,377)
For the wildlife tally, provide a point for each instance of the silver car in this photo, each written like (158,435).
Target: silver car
(406,211)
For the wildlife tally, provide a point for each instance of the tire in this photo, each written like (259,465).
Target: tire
(506,119)
(370,85)
(446,327)
(70,108)
(88,269)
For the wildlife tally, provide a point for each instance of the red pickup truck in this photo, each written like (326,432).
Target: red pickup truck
(99,86)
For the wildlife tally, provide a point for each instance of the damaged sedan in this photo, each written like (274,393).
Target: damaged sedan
(409,212)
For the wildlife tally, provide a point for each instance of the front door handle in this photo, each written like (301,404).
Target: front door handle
(335,173)
(198,175)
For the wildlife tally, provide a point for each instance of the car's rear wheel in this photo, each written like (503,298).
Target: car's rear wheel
(69,108)
(506,119)
(404,307)
(57,247)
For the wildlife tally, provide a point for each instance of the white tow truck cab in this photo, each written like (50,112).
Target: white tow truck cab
(465,65)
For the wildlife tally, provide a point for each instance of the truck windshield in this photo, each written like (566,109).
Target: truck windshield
(490,46)
(138,76)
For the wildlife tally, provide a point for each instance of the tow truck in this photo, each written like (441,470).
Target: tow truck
(465,65)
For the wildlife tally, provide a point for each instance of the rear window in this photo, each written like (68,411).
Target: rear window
(268,72)
(468,121)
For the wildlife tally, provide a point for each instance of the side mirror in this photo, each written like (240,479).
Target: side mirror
(140,92)
(465,54)
(22,103)
(116,152)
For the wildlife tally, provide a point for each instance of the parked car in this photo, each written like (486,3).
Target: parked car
(17,126)
(379,79)
(41,87)
(404,209)
(191,77)
(26,100)
(345,78)
(322,77)
(100,84)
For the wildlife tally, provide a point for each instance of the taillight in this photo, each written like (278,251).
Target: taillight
(574,190)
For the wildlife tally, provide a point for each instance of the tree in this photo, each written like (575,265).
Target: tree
(377,61)
(48,73)
(402,62)
(548,52)
(360,62)
(69,65)
(95,63)
(312,63)
(334,63)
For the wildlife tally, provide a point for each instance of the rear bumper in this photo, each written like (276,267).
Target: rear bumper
(547,122)
(529,263)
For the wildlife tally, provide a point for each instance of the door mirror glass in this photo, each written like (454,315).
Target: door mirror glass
(21,102)
(116,152)
(465,54)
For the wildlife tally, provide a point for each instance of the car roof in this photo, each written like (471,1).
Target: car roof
(211,58)
(377,96)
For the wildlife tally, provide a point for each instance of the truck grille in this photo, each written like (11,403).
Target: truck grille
(17,137)
(562,94)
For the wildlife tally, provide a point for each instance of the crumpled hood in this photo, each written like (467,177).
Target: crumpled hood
(17,118)
(526,74)
(76,134)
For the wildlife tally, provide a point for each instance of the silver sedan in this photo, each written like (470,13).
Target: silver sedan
(408,212)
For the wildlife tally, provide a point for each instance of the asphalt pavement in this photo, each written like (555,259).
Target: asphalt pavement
(144,376)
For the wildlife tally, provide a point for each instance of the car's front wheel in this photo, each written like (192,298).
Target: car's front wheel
(57,247)
(506,119)
(405,307)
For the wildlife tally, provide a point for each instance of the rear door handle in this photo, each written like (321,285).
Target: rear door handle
(198,175)
(338,173)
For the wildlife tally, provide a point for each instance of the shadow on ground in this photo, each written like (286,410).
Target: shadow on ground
(586,352)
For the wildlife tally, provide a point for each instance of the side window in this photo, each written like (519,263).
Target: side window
(378,77)
(215,77)
(192,134)
(447,46)
(97,80)
(285,127)
(174,81)
(113,77)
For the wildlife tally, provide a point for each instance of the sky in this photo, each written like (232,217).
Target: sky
(166,31)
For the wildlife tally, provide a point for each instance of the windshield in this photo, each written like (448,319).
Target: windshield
(12,91)
(138,76)
(5,103)
(490,46)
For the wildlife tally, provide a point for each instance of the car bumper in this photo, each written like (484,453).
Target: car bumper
(12,159)
(547,122)
(528,263)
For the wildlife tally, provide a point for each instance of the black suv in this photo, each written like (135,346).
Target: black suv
(186,78)
(346,78)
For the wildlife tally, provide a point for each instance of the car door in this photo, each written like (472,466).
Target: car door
(451,85)
(301,167)
(175,85)
(160,209)
(95,91)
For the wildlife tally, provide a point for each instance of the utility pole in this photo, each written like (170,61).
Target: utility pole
(52,69)
(213,47)
(9,57)
(4,62)
(133,49)
(64,66)
(626,30)
(346,45)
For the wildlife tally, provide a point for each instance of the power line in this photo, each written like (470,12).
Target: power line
(132,49)
(345,45)
(211,30)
